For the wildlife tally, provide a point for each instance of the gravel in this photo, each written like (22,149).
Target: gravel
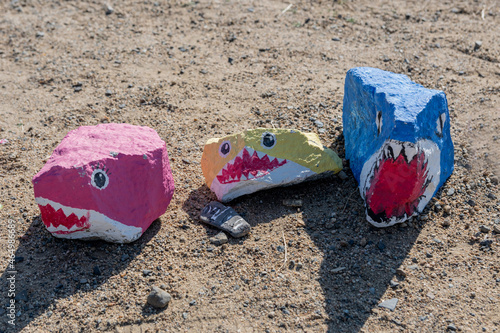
(134,53)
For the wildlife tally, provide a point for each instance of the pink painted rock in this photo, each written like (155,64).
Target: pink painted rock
(107,182)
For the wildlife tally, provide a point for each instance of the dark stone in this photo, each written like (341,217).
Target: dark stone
(18,259)
(96,270)
(22,296)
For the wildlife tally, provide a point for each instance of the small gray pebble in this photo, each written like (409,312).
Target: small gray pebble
(158,298)
(484,228)
(108,10)
(389,304)
(400,272)
(22,296)
(219,239)
(342,175)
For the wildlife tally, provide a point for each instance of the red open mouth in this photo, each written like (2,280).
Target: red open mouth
(397,184)
(246,167)
(57,222)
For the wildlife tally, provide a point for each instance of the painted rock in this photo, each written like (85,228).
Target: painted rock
(397,138)
(108,182)
(263,158)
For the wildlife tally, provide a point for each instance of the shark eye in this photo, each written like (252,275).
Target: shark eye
(99,178)
(440,124)
(268,140)
(224,148)
(378,121)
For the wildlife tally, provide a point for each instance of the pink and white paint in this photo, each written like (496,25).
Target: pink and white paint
(109,182)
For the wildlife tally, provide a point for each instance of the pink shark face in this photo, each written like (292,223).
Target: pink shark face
(112,183)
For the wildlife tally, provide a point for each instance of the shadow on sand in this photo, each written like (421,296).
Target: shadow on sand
(54,268)
(359,261)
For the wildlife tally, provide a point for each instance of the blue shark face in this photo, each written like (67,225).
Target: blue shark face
(397,138)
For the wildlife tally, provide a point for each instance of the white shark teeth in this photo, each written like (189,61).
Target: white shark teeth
(66,210)
(395,149)
(262,154)
(61,227)
(259,153)
(410,152)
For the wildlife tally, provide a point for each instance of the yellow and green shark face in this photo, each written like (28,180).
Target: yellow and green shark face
(262,158)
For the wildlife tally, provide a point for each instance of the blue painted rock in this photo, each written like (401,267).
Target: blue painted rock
(397,139)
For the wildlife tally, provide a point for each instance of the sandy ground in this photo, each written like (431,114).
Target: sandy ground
(196,70)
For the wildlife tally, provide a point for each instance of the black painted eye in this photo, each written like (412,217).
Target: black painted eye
(268,140)
(440,124)
(378,121)
(100,178)
(225,148)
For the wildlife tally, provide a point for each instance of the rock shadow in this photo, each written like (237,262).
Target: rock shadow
(54,268)
(359,261)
